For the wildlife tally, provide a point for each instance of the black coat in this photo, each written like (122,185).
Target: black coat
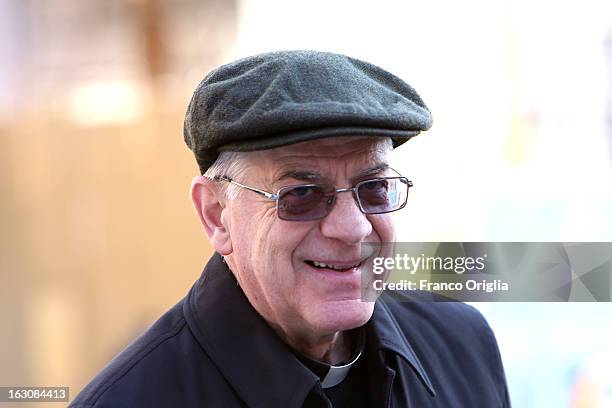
(212,349)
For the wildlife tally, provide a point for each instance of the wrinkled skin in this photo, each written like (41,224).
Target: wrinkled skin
(308,308)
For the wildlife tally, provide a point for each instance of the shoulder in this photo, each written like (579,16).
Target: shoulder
(436,312)
(435,321)
(453,339)
(144,363)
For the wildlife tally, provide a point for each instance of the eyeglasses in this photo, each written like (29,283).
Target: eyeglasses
(308,202)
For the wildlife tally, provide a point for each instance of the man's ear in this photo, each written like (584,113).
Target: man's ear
(210,207)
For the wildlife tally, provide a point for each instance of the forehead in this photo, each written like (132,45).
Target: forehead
(334,151)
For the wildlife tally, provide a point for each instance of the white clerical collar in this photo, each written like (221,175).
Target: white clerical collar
(337,374)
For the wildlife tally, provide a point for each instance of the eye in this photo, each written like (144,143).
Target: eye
(374,192)
(376,185)
(301,192)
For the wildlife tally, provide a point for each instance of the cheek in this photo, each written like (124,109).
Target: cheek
(383,226)
(283,277)
(250,224)
(268,244)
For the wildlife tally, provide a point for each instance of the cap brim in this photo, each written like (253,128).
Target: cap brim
(277,140)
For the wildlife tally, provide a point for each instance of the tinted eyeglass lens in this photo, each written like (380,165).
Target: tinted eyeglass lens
(382,195)
(304,203)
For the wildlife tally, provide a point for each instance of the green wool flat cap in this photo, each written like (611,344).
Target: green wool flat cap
(280,98)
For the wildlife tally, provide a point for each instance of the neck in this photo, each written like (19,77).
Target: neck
(331,349)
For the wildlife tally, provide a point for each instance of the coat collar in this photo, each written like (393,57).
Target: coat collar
(244,348)
(251,356)
(386,332)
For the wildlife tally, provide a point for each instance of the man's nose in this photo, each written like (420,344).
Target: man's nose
(346,222)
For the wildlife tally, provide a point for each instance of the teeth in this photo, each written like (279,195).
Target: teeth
(323,265)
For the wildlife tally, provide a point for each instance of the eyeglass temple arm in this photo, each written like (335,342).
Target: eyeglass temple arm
(269,196)
(400,175)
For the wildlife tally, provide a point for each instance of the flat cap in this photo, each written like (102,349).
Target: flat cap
(279,98)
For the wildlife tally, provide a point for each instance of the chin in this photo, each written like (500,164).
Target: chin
(342,315)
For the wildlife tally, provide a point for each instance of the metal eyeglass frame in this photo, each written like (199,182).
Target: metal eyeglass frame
(276,197)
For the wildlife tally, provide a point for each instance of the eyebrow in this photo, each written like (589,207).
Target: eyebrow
(313,176)
(300,175)
(378,168)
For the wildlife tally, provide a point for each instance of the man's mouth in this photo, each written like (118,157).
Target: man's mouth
(335,266)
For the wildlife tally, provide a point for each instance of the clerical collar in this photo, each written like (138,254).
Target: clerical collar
(337,374)
(332,375)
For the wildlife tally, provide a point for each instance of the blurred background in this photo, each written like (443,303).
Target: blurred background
(97,234)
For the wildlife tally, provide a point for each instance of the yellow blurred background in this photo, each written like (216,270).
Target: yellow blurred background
(97,234)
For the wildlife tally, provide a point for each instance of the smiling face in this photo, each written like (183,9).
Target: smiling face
(304,277)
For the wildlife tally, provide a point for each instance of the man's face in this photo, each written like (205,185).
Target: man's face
(273,259)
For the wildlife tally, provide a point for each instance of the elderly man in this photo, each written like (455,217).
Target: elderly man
(293,150)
